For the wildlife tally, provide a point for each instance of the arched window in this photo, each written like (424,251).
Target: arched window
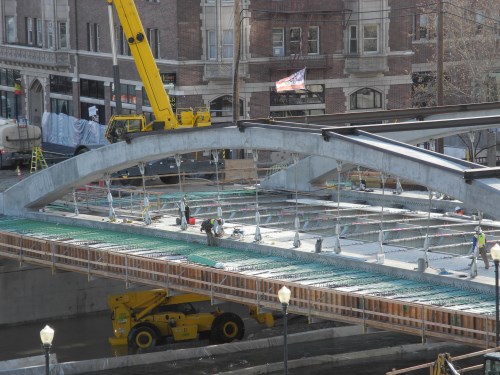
(366,98)
(223,107)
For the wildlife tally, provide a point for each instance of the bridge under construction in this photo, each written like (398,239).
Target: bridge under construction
(352,286)
(401,269)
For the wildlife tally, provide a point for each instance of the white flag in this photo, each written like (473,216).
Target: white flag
(294,82)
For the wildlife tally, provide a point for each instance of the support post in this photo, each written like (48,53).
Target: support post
(439,68)
(116,71)
(497,314)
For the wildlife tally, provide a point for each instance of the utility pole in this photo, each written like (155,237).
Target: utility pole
(236,63)
(439,68)
(116,71)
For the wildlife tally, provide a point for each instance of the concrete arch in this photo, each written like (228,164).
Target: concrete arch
(436,171)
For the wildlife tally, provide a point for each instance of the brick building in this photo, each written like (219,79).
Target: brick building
(358,56)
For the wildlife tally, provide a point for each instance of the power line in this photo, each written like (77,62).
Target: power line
(474,12)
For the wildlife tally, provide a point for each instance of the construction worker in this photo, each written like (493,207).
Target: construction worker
(186,211)
(459,210)
(479,240)
(213,228)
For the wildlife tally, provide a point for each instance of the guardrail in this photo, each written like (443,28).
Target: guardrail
(315,302)
(432,365)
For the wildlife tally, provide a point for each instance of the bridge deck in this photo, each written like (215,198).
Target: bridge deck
(321,287)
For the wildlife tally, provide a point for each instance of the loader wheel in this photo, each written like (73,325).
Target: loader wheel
(142,337)
(227,327)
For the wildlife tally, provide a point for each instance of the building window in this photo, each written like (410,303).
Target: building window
(297,112)
(8,77)
(353,39)
(154,41)
(314,94)
(93,37)
(61,85)
(313,40)
(422,26)
(10,29)
(121,42)
(278,42)
(29,31)
(211,45)
(63,35)
(227,44)
(145,99)
(61,106)
(370,38)
(127,94)
(50,34)
(295,40)
(479,21)
(92,89)
(7,102)
(223,107)
(366,98)
(38,35)
(7,98)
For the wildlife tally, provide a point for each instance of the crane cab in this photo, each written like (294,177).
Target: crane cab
(121,125)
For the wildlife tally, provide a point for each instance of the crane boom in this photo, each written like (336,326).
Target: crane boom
(144,60)
(165,118)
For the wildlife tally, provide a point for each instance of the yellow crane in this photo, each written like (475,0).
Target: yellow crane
(120,126)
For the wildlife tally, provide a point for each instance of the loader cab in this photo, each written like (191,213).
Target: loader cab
(184,308)
(492,364)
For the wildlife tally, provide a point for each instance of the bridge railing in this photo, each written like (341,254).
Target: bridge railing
(322,302)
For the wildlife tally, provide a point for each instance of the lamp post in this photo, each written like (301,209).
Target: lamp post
(47,335)
(495,254)
(284,297)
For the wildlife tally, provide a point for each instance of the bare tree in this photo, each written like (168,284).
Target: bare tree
(471,55)
(471,50)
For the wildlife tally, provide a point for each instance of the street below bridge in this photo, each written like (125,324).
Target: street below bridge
(85,338)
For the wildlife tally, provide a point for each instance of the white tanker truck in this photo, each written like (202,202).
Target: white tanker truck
(17,140)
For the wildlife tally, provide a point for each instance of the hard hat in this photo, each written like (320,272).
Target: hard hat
(477,229)
(458,208)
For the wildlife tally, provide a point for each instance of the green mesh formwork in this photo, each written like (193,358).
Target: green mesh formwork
(306,273)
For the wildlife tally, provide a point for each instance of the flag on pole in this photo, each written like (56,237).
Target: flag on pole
(294,82)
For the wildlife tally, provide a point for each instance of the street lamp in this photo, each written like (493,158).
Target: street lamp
(284,297)
(495,255)
(47,335)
